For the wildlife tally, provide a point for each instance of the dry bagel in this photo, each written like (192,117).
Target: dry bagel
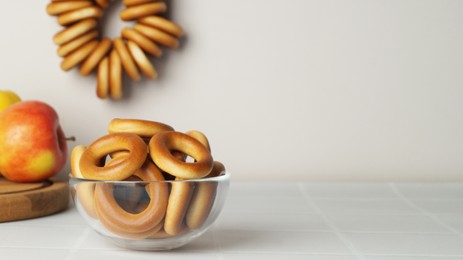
(80,42)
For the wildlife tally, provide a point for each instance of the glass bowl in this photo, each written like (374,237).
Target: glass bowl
(150,215)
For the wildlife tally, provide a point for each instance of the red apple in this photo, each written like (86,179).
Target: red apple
(32,144)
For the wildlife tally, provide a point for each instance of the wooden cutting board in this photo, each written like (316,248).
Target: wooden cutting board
(31,200)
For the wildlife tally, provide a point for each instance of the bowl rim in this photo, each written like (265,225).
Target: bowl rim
(222,177)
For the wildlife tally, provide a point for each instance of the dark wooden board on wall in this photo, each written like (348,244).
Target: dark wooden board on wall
(31,200)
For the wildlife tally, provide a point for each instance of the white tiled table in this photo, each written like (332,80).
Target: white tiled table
(293,220)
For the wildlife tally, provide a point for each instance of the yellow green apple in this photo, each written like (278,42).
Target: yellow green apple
(8,98)
(32,143)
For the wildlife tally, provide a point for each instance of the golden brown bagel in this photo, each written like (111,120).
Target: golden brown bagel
(74,31)
(102,87)
(126,59)
(163,143)
(79,14)
(85,190)
(127,224)
(203,199)
(69,47)
(100,51)
(143,128)
(144,42)
(136,2)
(115,75)
(157,35)
(91,158)
(78,55)
(179,199)
(85,196)
(141,60)
(142,10)
(162,24)
(76,154)
(63,7)
(201,137)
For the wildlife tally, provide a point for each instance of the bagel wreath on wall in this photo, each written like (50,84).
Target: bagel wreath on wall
(80,42)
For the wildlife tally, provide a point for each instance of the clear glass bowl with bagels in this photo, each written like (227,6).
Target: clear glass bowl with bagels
(145,186)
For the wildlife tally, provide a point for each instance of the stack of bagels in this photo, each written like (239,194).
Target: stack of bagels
(80,42)
(152,152)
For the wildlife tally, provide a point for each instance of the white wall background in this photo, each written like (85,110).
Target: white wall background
(300,89)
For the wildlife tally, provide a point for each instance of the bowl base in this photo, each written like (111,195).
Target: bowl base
(155,244)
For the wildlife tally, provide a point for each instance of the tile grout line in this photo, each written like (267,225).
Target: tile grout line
(439,256)
(217,242)
(348,231)
(78,243)
(329,223)
(423,211)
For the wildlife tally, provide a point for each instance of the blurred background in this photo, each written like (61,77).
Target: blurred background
(332,90)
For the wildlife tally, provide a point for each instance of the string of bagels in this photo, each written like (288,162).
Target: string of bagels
(81,44)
